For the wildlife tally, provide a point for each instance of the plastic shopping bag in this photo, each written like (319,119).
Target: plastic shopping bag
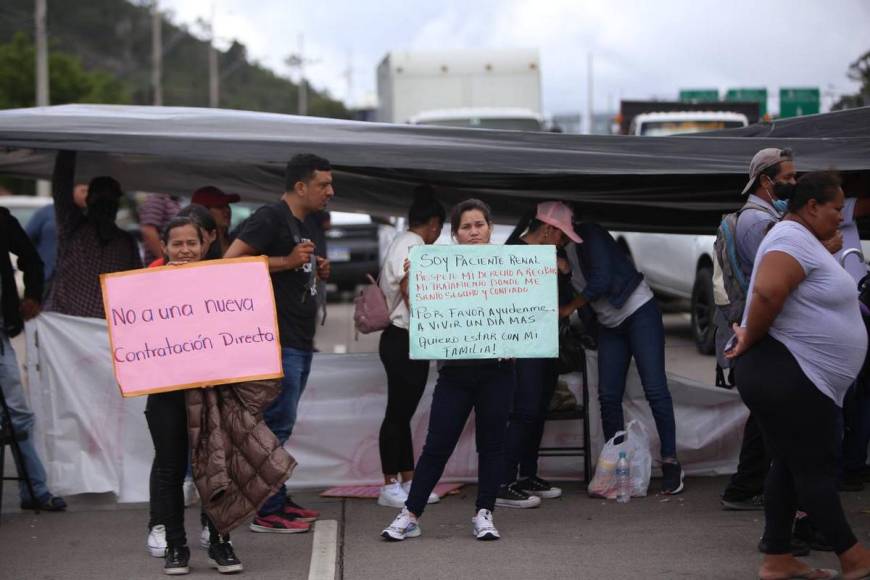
(635,443)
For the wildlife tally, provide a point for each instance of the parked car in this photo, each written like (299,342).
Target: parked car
(678,266)
(355,244)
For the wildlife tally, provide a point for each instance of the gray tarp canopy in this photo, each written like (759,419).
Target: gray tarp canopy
(674,184)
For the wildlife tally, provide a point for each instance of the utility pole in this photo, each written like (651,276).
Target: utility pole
(213,86)
(156,54)
(348,75)
(213,76)
(297,61)
(43,98)
(303,84)
(590,108)
(42,88)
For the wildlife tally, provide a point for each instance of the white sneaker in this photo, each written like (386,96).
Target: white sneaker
(404,526)
(406,485)
(156,544)
(191,495)
(393,495)
(204,538)
(483,528)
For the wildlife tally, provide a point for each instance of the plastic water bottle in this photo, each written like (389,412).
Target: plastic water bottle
(623,479)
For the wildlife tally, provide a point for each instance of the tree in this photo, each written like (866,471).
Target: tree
(858,71)
(69,81)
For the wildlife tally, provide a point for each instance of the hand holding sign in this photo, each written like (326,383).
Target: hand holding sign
(483,301)
(201,324)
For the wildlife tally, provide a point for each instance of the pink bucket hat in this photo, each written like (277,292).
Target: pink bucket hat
(558,215)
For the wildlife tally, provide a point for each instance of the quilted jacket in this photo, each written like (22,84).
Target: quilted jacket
(236,459)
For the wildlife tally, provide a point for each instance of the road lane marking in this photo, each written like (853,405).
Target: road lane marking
(323,550)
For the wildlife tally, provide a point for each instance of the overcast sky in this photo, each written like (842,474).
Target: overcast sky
(641,48)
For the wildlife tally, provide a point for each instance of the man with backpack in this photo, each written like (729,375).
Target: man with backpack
(737,242)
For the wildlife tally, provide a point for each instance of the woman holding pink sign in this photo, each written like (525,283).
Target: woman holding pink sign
(487,387)
(166,414)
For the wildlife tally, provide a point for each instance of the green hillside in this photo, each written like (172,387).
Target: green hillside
(110,43)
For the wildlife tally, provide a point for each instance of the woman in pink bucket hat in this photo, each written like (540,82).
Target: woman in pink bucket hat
(629,326)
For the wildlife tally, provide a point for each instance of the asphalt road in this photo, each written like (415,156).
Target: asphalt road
(572,537)
(577,537)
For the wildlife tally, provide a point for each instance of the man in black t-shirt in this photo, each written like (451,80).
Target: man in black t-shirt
(279,231)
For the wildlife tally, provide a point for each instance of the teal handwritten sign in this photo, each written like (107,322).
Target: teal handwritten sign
(483,301)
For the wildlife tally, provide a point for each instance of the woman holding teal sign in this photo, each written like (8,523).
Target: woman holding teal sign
(486,386)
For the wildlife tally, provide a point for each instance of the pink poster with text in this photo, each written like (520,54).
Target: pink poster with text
(201,324)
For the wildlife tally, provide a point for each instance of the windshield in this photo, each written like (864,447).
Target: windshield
(665,128)
(512,124)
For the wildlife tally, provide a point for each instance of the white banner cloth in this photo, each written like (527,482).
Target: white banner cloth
(93,440)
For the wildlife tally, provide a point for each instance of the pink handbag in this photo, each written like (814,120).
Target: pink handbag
(370,311)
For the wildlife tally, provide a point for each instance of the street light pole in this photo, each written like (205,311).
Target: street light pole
(42,88)
(213,77)
(156,54)
(303,85)
(43,97)
(590,107)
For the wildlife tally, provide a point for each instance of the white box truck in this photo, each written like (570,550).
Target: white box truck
(471,88)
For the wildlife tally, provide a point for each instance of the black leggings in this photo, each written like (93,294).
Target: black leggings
(406,381)
(799,425)
(487,387)
(166,414)
(536,383)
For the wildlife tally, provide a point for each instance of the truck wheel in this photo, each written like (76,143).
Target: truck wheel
(703,308)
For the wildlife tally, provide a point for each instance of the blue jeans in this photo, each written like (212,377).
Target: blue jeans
(642,336)
(22,420)
(280,416)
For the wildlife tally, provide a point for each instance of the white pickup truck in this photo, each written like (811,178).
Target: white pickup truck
(679,265)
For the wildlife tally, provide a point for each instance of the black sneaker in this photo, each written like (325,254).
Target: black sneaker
(540,487)
(50,503)
(672,478)
(750,504)
(510,496)
(176,561)
(222,557)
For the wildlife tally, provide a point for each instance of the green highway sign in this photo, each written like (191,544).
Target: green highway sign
(751,95)
(699,95)
(794,102)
